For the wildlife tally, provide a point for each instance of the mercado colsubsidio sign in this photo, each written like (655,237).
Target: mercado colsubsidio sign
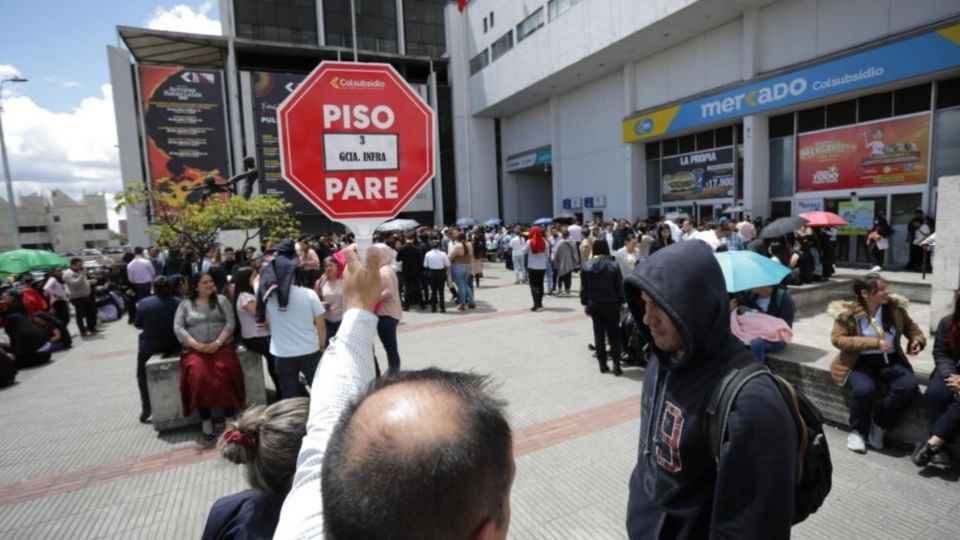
(911,57)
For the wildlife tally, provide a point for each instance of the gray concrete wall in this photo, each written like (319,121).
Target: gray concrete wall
(946,260)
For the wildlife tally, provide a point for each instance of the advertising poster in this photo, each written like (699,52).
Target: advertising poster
(809,205)
(886,153)
(270,89)
(184,121)
(858,215)
(701,175)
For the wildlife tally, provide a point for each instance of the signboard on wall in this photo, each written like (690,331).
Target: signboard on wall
(534,158)
(918,55)
(701,175)
(809,205)
(884,153)
(185,127)
(858,215)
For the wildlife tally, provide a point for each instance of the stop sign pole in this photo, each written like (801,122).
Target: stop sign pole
(358,142)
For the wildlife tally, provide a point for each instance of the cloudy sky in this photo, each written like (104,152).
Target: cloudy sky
(59,127)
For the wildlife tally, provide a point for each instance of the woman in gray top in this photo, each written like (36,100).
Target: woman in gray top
(210,373)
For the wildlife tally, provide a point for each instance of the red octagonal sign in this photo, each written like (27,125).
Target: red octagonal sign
(356,140)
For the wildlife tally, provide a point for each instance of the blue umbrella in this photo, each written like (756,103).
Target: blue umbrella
(467,222)
(744,270)
(493,222)
(543,221)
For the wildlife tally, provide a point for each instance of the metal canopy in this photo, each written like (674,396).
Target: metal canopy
(162,47)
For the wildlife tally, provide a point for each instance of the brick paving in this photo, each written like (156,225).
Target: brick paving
(75,463)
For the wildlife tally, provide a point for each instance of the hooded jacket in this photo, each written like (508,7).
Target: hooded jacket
(846,335)
(601,283)
(677,489)
(277,277)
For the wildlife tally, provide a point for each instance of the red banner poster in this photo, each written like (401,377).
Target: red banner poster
(184,121)
(884,153)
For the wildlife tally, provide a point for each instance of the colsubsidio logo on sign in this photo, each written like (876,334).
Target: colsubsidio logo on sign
(342,83)
(643,127)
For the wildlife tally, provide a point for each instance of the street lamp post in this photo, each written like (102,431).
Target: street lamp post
(6,168)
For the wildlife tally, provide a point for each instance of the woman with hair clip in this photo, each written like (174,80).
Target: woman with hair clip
(942,399)
(871,363)
(210,373)
(266,440)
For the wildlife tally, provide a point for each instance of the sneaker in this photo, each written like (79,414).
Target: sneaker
(875,269)
(855,443)
(875,439)
(923,452)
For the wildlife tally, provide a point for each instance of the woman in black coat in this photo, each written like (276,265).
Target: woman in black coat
(601,294)
(28,342)
(942,399)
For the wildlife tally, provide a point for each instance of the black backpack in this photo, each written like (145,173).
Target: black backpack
(814,468)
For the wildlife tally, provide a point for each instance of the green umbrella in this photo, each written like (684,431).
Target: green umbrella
(19,261)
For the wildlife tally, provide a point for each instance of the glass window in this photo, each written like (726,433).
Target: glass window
(423,27)
(705,140)
(530,25)
(556,7)
(811,119)
(911,100)
(687,143)
(779,209)
(948,93)
(501,46)
(781,125)
(653,181)
(491,20)
(291,21)
(875,106)
(723,136)
(781,167)
(652,150)
(479,61)
(946,159)
(842,114)
(670,147)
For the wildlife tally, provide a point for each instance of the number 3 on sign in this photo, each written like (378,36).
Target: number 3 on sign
(363,140)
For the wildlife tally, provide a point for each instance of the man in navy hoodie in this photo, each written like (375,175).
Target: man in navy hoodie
(678,490)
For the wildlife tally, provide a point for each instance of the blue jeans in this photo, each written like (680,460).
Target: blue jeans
(461,277)
(868,375)
(387,330)
(519,268)
(289,370)
(760,347)
(549,286)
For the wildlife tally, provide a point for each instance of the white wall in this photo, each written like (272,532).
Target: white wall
(589,156)
(793,31)
(518,133)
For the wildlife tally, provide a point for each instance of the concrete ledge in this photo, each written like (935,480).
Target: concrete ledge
(820,294)
(163,384)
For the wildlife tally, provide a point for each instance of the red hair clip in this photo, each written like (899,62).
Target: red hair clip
(234,435)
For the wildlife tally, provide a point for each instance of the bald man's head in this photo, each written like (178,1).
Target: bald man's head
(423,454)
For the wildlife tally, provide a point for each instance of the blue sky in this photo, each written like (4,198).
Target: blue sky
(59,127)
(60,45)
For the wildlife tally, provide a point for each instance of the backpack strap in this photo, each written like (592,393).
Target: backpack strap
(743,367)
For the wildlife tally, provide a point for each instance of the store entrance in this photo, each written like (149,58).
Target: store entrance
(897,209)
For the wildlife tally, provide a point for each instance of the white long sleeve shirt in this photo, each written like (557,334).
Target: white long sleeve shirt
(346,371)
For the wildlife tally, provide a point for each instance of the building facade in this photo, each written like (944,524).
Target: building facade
(58,223)
(611,108)
(232,84)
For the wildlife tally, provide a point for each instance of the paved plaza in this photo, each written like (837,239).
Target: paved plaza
(75,462)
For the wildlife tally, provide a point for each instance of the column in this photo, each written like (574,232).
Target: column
(634,153)
(756,165)
(556,161)
(946,260)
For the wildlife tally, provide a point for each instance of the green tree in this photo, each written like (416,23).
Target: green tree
(177,222)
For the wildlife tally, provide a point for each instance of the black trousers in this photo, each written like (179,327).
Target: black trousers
(565,281)
(437,280)
(61,310)
(86,313)
(606,329)
(411,290)
(536,285)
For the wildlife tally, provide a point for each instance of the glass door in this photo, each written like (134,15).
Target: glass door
(852,247)
(902,208)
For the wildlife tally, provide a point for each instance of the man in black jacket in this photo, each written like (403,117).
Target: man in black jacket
(411,260)
(601,294)
(677,489)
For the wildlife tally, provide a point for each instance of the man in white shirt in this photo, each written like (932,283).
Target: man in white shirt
(297,337)
(516,253)
(688,232)
(360,468)
(576,232)
(437,265)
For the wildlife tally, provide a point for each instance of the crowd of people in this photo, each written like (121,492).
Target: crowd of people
(428,454)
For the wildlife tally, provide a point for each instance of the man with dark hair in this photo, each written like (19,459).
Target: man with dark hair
(154,318)
(678,490)
(419,455)
(81,296)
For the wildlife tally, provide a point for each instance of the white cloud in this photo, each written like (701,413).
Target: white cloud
(74,151)
(71,84)
(183,18)
(7,71)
